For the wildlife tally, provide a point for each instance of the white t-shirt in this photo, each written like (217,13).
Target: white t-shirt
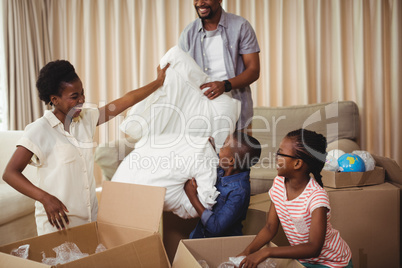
(65,165)
(214,62)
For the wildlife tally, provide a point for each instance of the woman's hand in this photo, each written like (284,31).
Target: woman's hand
(161,73)
(56,211)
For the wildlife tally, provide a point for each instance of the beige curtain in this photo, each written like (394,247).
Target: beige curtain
(311,51)
(26,46)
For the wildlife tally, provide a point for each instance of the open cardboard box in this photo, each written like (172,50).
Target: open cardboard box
(352,179)
(128,222)
(216,251)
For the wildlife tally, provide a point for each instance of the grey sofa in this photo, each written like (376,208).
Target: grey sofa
(338,121)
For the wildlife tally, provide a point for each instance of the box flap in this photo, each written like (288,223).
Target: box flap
(7,260)
(147,252)
(259,198)
(218,250)
(392,170)
(131,205)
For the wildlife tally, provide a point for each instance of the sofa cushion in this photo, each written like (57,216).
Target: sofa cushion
(13,204)
(336,120)
(345,145)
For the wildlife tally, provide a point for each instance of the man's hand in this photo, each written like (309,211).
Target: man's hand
(216,89)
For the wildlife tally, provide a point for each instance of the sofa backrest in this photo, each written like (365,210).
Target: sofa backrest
(335,120)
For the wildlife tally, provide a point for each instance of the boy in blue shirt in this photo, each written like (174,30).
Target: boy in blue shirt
(239,152)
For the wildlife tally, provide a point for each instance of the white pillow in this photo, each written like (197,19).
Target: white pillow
(180,107)
(168,161)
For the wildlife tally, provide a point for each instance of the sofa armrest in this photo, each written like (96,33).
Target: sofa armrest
(393,172)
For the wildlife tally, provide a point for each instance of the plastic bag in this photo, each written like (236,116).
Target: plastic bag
(331,162)
(203,263)
(100,248)
(369,161)
(234,262)
(66,252)
(21,251)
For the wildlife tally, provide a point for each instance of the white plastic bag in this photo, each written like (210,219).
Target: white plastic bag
(21,251)
(66,252)
(331,162)
(369,161)
(234,262)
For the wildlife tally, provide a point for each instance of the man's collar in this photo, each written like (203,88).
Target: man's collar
(222,21)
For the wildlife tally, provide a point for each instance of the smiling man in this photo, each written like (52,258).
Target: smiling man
(225,46)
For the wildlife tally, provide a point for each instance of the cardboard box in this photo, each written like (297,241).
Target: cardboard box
(174,230)
(216,251)
(352,179)
(256,218)
(400,221)
(128,221)
(368,219)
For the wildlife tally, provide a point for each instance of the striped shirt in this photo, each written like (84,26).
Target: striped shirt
(295,217)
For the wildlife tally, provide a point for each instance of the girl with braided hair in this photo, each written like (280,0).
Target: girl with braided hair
(301,205)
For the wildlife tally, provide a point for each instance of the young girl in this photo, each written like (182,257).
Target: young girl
(60,144)
(301,205)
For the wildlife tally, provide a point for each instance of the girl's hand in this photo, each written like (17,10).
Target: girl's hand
(56,211)
(161,73)
(191,188)
(252,260)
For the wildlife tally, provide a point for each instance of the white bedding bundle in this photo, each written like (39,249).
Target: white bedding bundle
(180,107)
(166,161)
(175,121)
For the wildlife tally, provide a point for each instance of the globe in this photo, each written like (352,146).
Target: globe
(351,163)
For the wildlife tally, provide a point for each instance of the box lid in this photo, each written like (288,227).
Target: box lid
(131,205)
